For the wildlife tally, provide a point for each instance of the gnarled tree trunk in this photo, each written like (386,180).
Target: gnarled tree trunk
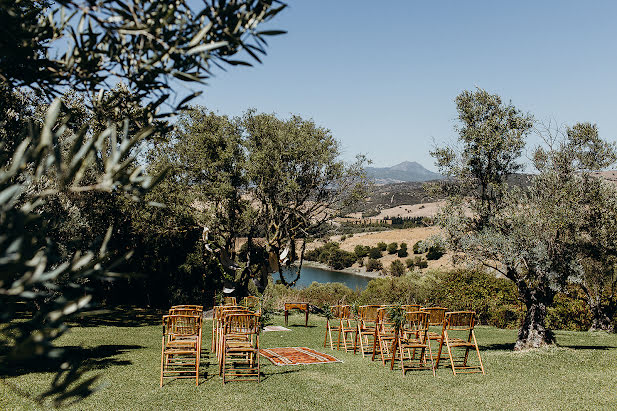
(533,332)
(602,314)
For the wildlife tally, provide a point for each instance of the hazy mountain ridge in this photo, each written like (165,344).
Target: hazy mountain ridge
(407,171)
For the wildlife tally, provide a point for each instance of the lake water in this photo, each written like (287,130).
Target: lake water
(310,274)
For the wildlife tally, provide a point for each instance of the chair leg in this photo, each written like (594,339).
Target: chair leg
(478,352)
(325,340)
(162,359)
(449,352)
(430,353)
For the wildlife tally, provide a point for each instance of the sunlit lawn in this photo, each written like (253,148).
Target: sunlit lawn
(580,373)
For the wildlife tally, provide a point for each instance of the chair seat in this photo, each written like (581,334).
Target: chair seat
(457,342)
(413,343)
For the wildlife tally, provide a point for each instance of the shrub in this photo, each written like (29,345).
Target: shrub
(417,247)
(361,251)
(402,252)
(373,265)
(420,262)
(392,247)
(435,252)
(397,268)
(494,300)
(409,263)
(339,259)
(374,253)
(343,237)
(569,311)
(382,246)
(407,289)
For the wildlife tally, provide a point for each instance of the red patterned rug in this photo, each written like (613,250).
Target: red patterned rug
(296,356)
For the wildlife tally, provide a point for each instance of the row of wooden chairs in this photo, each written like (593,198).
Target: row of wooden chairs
(181,345)
(374,334)
(235,340)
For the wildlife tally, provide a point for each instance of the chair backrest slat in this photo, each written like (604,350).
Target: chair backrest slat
(460,320)
(436,315)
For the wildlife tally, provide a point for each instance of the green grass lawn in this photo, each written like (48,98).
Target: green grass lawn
(580,373)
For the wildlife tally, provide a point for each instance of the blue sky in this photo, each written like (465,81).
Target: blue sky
(383,75)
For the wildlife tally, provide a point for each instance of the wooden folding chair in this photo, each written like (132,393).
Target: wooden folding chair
(217,315)
(225,312)
(384,336)
(436,316)
(460,322)
(334,324)
(252,303)
(414,336)
(347,330)
(365,330)
(181,347)
(187,310)
(240,348)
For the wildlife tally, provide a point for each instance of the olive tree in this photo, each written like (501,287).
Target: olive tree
(530,234)
(297,181)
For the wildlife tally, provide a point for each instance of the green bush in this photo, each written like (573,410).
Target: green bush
(373,265)
(407,289)
(569,311)
(361,251)
(397,268)
(382,246)
(402,252)
(374,253)
(435,252)
(495,300)
(420,262)
(339,259)
(392,248)
(417,247)
(329,293)
(409,263)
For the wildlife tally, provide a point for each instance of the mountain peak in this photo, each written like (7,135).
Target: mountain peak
(407,166)
(407,171)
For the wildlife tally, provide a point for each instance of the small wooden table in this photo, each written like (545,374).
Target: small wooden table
(298,306)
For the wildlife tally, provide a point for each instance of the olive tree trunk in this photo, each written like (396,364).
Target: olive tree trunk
(533,332)
(602,314)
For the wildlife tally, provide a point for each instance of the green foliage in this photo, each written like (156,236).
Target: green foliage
(420,262)
(409,263)
(569,311)
(435,252)
(361,251)
(392,248)
(396,268)
(494,300)
(373,265)
(332,255)
(374,253)
(72,163)
(402,252)
(382,246)
(397,317)
(417,248)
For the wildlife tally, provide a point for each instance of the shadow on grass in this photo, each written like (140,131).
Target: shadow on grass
(302,326)
(95,358)
(265,376)
(119,317)
(510,347)
(496,347)
(588,347)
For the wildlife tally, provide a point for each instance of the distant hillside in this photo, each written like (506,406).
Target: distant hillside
(407,171)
